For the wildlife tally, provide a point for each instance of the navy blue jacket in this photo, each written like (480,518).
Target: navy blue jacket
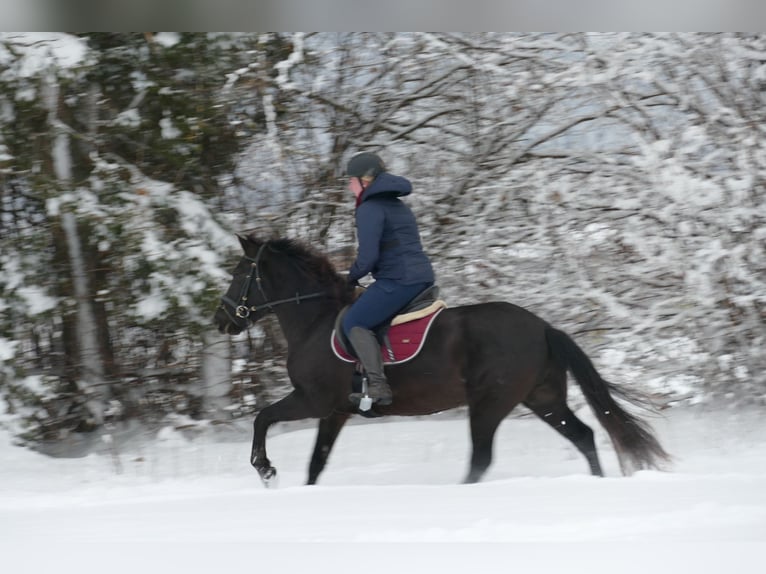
(389,242)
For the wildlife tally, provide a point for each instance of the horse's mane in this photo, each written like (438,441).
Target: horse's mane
(317,265)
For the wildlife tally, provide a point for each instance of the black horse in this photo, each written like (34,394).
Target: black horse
(490,356)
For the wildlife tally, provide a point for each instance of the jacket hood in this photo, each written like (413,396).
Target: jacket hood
(388,184)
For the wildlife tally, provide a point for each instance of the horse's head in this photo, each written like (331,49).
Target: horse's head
(275,273)
(244,301)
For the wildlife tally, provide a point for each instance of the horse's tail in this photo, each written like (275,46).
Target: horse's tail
(636,446)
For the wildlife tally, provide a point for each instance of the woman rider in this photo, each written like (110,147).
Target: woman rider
(388,247)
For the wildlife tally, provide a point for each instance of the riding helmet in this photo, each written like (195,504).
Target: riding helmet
(365,164)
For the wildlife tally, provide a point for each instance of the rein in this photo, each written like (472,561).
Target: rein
(242,310)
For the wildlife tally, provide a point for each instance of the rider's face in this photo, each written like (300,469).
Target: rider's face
(355,185)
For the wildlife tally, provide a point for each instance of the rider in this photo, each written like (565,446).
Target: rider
(390,249)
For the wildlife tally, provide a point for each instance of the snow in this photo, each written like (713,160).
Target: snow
(189,505)
(42,50)
(295,57)
(168,130)
(4,155)
(152,305)
(167,39)
(129,118)
(35,300)
(7,348)
(34,384)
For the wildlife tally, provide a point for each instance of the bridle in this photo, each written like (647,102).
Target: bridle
(242,310)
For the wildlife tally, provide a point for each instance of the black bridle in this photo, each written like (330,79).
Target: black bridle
(242,310)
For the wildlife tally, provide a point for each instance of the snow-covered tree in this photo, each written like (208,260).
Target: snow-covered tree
(113,274)
(612,182)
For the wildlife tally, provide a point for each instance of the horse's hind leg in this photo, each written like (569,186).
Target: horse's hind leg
(329,429)
(548,401)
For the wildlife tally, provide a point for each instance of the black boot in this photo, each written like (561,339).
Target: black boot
(368,351)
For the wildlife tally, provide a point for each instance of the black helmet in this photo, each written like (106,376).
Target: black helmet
(365,164)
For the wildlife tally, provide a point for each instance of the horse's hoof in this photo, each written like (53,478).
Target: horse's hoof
(268,476)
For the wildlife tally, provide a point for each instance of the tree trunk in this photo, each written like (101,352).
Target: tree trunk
(216,374)
(91,371)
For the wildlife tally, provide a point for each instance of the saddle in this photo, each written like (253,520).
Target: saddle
(400,338)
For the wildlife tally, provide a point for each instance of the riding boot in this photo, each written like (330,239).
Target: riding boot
(368,352)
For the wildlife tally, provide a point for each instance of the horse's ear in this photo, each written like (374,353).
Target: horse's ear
(243,242)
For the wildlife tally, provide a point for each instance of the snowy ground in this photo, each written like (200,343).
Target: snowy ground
(196,506)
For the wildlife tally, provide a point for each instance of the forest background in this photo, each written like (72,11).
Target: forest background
(612,183)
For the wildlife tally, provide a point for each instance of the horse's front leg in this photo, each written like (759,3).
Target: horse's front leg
(291,408)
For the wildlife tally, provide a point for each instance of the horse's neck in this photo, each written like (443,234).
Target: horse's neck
(300,322)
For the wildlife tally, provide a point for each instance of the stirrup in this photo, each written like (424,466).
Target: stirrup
(365,401)
(362,402)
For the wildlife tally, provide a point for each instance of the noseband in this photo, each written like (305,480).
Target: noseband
(242,310)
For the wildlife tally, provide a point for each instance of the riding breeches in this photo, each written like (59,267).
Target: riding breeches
(380,302)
